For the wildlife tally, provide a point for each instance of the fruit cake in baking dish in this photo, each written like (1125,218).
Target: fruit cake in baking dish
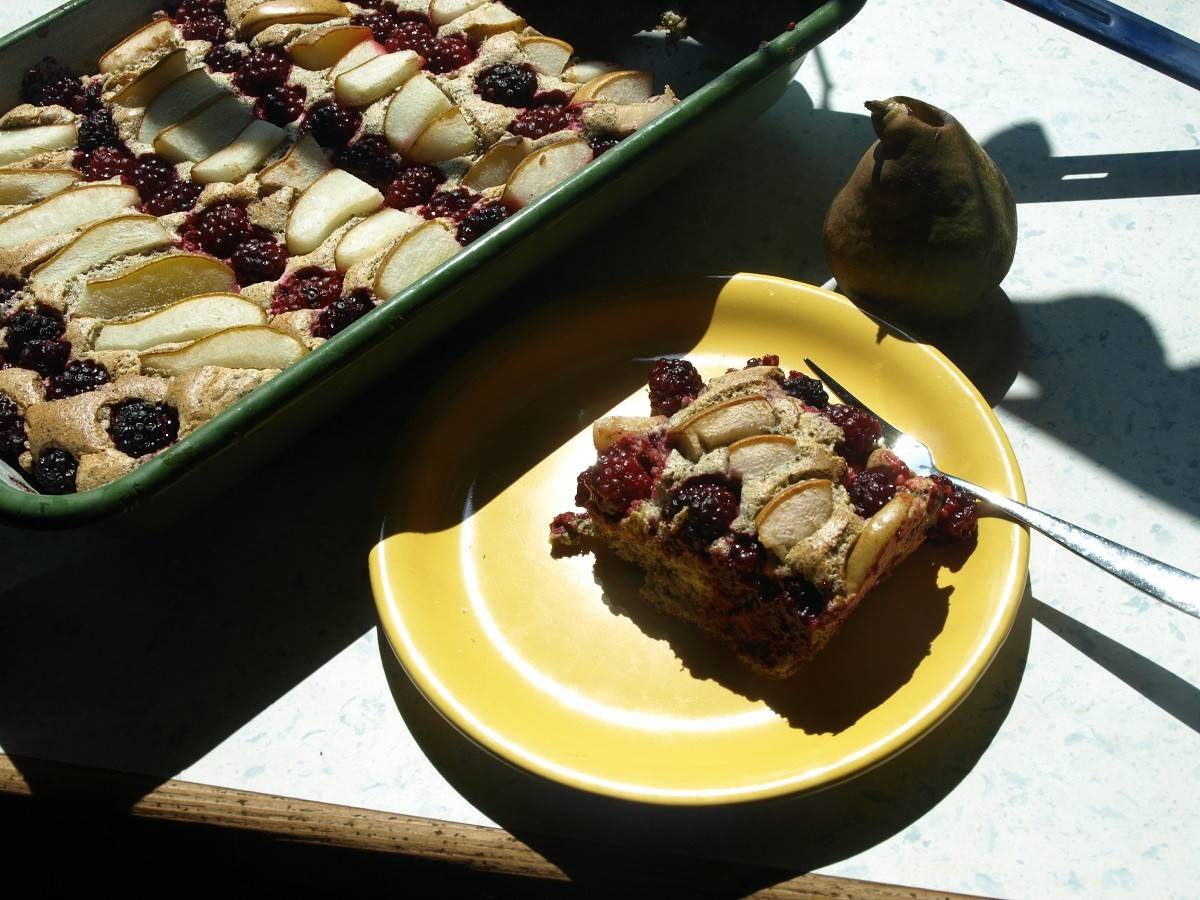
(241,181)
(758,510)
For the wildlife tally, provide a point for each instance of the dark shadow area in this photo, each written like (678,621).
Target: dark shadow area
(872,657)
(1163,688)
(1105,390)
(794,834)
(1023,153)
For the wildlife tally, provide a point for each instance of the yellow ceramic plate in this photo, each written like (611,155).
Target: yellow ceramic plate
(557,666)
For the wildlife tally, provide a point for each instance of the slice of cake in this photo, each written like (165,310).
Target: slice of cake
(759,511)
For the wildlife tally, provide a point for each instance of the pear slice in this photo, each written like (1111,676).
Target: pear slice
(21,143)
(629,117)
(610,429)
(583,72)
(793,514)
(621,86)
(376,78)
(289,12)
(154,81)
(68,211)
(104,241)
(204,132)
(448,136)
(424,248)
(300,167)
(249,150)
(485,21)
(877,545)
(496,166)
(755,456)
(157,283)
(243,347)
(443,11)
(144,41)
(187,320)
(20,186)
(329,202)
(547,55)
(723,424)
(322,49)
(543,169)
(356,56)
(372,235)
(179,99)
(416,104)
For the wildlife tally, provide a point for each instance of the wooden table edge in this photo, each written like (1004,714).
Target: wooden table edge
(477,848)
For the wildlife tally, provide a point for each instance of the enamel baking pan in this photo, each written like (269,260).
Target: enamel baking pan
(322,381)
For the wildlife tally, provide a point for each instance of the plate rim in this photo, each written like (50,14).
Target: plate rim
(920,724)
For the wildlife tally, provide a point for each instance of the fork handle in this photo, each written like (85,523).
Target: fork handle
(1172,586)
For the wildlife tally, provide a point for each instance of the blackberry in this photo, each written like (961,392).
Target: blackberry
(178,197)
(221,58)
(871,490)
(54,471)
(217,230)
(767,359)
(510,84)
(369,158)
(602,144)
(262,71)
(342,313)
(151,174)
(9,285)
(308,288)
(711,504)
(743,554)
(281,105)
(808,390)
(45,357)
(958,519)
(79,377)
(623,474)
(12,431)
(481,221)
(413,186)
(25,326)
(447,54)
(98,130)
(414,34)
(804,600)
(103,163)
(333,126)
(674,383)
(209,27)
(138,427)
(47,84)
(258,259)
(861,431)
(543,120)
(453,204)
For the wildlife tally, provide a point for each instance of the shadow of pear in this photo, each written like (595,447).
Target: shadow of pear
(872,657)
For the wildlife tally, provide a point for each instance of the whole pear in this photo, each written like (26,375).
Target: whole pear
(926,225)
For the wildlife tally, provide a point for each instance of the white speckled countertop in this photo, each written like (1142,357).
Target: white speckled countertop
(1074,768)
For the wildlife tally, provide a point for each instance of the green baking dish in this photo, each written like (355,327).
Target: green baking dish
(264,421)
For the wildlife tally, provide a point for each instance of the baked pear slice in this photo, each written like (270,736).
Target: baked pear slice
(621,86)
(317,50)
(243,347)
(372,235)
(187,320)
(249,150)
(722,425)
(409,113)
(448,136)
(547,55)
(793,514)
(100,243)
(421,250)
(155,284)
(204,132)
(21,186)
(289,12)
(146,40)
(376,78)
(17,144)
(178,100)
(154,80)
(67,212)
(303,164)
(544,169)
(329,202)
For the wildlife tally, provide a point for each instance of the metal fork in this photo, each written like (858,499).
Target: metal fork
(1172,586)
